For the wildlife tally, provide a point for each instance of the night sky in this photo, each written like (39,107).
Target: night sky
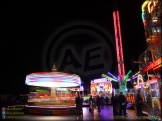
(27,26)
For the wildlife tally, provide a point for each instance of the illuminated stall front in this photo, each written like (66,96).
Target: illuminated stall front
(150,91)
(102,87)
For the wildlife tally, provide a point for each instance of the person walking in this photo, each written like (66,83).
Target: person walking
(99,103)
(102,101)
(78,103)
(139,104)
(122,104)
(91,109)
(113,101)
(94,100)
(117,104)
(81,106)
(107,100)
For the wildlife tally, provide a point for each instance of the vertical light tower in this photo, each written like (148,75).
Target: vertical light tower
(119,51)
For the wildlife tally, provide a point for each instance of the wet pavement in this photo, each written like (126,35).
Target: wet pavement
(106,114)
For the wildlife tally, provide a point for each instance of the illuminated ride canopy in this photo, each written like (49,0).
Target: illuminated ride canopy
(53,79)
(58,101)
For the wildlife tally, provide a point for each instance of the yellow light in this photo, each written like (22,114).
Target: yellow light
(150,7)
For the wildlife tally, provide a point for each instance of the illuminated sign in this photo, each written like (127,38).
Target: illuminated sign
(149,5)
(100,80)
(140,81)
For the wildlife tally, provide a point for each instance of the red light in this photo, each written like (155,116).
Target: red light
(119,48)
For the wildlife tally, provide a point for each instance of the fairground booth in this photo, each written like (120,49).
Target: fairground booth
(101,87)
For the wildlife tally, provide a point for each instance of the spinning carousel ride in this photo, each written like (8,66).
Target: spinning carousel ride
(52,94)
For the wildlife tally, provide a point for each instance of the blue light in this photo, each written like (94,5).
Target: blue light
(113,76)
(130,79)
(109,78)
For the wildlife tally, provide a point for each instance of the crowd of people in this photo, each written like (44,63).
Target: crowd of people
(94,102)
(119,103)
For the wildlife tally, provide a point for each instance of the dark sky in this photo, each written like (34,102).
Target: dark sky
(26,27)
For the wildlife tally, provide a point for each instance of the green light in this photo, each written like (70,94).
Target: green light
(39,90)
(109,78)
(127,76)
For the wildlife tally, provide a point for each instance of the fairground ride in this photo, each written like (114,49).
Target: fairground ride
(149,80)
(122,78)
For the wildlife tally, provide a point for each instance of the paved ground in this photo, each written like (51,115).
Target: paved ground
(106,114)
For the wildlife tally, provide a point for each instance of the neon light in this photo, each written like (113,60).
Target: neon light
(136,73)
(144,5)
(100,80)
(53,79)
(126,77)
(143,12)
(116,38)
(120,59)
(134,76)
(121,49)
(150,6)
(140,84)
(112,76)
(109,78)
(38,90)
(152,65)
